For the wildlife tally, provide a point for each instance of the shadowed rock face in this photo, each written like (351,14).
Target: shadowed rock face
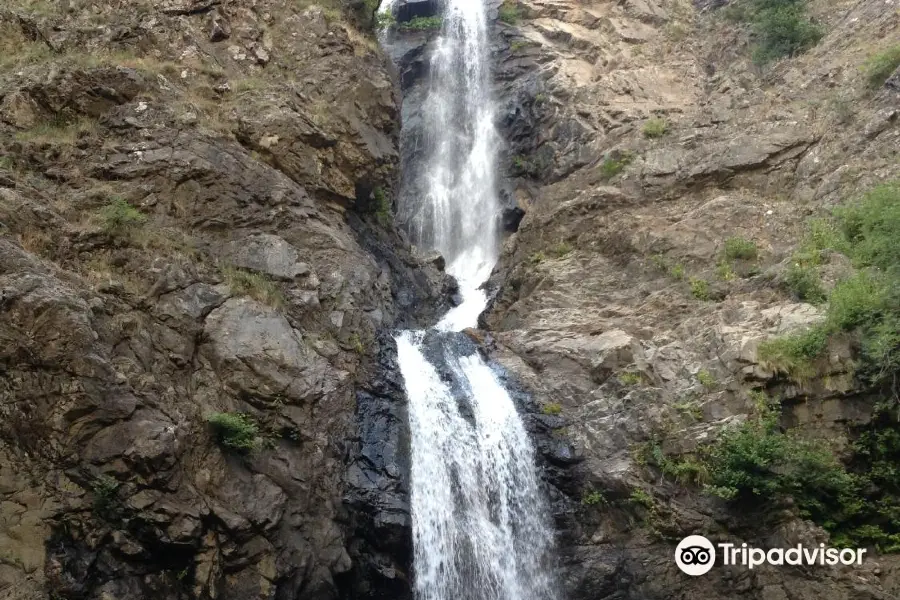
(187,226)
(407,10)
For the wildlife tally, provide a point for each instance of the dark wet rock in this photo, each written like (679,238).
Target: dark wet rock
(407,10)
(377,485)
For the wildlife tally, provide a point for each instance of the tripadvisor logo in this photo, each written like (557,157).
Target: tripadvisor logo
(696,555)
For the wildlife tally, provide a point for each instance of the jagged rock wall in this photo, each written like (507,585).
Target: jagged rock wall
(596,312)
(257,135)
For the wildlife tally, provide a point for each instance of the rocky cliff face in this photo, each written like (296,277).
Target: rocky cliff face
(194,219)
(641,138)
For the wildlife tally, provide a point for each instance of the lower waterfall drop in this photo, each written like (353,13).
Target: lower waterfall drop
(480,522)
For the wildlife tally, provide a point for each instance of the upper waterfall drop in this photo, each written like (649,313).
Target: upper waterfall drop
(454,206)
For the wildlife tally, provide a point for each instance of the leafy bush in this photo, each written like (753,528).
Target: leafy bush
(120,218)
(738,248)
(235,431)
(641,498)
(881,66)
(106,501)
(552,408)
(699,288)
(384,20)
(805,283)
(630,378)
(561,249)
(383,209)
(782,28)
(612,165)
(795,354)
(866,304)
(255,285)
(706,379)
(655,127)
(593,498)
(422,24)
(509,12)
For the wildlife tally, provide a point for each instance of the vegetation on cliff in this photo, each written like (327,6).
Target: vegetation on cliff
(780,28)
(857,500)
(864,305)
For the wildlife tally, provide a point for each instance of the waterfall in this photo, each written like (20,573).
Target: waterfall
(480,529)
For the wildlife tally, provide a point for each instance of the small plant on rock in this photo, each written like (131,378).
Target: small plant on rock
(795,354)
(382,207)
(640,497)
(655,127)
(805,283)
(593,498)
(120,218)
(236,432)
(552,408)
(106,501)
(699,288)
(561,249)
(612,166)
(422,24)
(881,66)
(706,379)
(255,285)
(738,248)
(630,378)
(509,12)
(385,20)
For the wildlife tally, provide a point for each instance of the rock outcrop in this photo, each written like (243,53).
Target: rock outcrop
(192,201)
(615,305)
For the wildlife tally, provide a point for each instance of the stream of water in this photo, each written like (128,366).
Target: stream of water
(480,523)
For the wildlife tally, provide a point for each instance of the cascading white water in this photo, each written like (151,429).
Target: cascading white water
(480,528)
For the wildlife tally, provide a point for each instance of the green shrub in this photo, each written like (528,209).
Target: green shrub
(655,127)
(881,66)
(551,408)
(871,228)
(725,270)
(612,166)
(699,288)
(641,498)
(106,501)
(782,28)
(630,378)
(120,218)
(235,431)
(805,283)
(561,249)
(677,271)
(706,379)
(384,20)
(593,498)
(255,285)
(383,209)
(422,24)
(738,248)
(865,304)
(356,343)
(537,258)
(795,354)
(757,461)
(509,12)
